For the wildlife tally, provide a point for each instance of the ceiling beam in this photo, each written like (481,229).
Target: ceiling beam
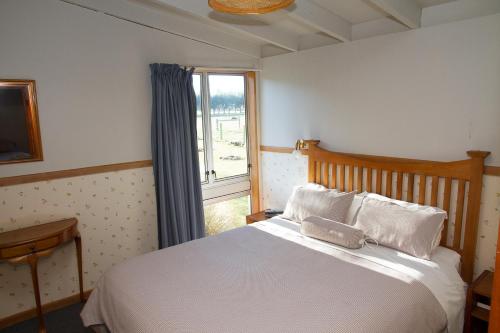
(407,12)
(248,26)
(321,19)
(381,26)
(171,23)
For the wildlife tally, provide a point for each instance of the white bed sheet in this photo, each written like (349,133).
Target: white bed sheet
(440,274)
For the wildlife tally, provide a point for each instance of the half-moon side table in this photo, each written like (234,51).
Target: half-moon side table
(26,245)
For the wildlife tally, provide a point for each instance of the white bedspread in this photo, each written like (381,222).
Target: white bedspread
(252,281)
(440,274)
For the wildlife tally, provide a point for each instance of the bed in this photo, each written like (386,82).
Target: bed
(268,277)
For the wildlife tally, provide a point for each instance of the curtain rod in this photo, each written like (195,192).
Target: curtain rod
(226,69)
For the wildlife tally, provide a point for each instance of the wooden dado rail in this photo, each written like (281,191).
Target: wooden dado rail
(488,169)
(45,176)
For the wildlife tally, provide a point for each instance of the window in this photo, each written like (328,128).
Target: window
(222,120)
(226,215)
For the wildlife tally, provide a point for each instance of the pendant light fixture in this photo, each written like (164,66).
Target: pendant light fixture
(243,7)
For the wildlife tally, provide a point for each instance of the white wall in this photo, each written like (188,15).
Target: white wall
(431,93)
(92,78)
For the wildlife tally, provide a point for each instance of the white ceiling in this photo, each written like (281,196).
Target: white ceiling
(311,23)
(354,11)
(359,11)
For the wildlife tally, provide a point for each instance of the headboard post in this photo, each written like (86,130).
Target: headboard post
(473,208)
(311,146)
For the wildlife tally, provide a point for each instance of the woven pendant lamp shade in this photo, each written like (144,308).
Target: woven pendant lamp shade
(248,6)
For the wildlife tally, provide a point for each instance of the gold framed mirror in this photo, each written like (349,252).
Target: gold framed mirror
(20,139)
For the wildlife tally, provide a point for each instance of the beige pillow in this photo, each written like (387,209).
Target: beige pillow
(412,230)
(305,202)
(317,187)
(332,232)
(412,206)
(352,213)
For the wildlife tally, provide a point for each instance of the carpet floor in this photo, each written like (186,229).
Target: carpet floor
(66,320)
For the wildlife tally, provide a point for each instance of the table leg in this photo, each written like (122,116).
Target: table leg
(33,261)
(78,243)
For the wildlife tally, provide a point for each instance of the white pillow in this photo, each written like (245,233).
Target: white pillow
(329,204)
(446,257)
(414,206)
(314,186)
(352,213)
(409,229)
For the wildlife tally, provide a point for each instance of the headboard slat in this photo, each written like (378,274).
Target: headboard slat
(457,237)
(359,185)
(388,184)
(446,207)
(342,177)
(317,173)
(411,183)
(326,174)
(379,181)
(350,181)
(434,191)
(422,184)
(399,184)
(467,172)
(334,175)
(369,174)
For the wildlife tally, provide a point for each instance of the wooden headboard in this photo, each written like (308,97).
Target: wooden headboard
(453,186)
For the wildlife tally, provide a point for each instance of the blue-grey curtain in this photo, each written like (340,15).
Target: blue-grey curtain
(175,155)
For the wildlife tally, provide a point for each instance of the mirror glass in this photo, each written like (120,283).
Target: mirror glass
(19,129)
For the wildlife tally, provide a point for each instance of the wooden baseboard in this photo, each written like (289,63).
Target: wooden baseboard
(46,308)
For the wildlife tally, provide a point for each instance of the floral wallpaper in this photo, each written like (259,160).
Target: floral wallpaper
(488,224)
(281,172)
(117,220)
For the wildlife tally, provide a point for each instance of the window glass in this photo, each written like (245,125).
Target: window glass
(228,125)
(226,215)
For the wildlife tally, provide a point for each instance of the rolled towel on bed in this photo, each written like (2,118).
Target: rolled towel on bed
(332,232)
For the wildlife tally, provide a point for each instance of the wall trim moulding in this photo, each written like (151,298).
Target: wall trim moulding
(272,149)
(46,308)
(492,170)
(44,176)
(489,170)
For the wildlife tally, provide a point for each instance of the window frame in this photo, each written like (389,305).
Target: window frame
(219,189)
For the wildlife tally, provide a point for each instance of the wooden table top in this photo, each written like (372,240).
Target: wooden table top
(484,284)
(34,233)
